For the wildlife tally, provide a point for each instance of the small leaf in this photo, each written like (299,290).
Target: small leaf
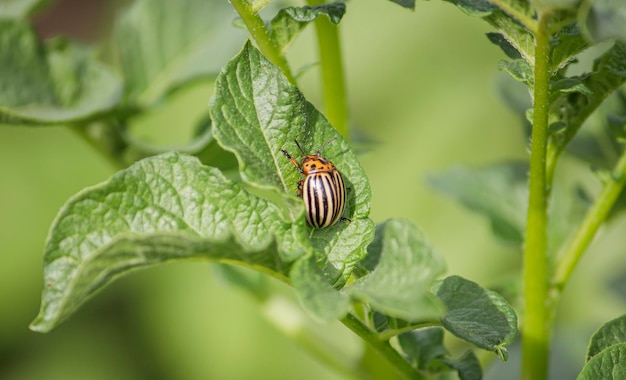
(316,294)
(162,45)
(606,365)
(289,22)
(478,8)
(517,36)
(566,44)
(611,333)
(52,83)
(604,19)
(410,4)
(478,315)
(519,70)
(499,192)
(423,346)
(569,85)
(499,40)
(164,208)
(405,267)
(467,366)
(608,74)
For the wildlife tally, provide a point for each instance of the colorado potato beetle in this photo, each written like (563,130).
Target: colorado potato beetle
(322,189)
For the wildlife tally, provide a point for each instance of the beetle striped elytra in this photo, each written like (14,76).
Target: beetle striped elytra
(322,189)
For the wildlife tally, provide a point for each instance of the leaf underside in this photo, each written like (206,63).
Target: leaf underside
(53,82)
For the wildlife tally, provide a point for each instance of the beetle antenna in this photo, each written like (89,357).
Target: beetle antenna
(299,147)
(325,145)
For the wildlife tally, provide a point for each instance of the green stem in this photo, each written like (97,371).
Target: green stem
(590,225)
(331,65)
(259,32)
(388,334)
(536,325)
(381,346)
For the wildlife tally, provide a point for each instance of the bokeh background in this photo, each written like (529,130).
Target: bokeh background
(423,90)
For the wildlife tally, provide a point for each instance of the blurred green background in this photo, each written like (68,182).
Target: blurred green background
(422,87)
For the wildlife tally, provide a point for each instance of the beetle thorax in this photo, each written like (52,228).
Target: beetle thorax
(312,164)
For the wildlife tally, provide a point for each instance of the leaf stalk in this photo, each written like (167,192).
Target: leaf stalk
(259,32)
(381,346)
(388,334)
(596,215)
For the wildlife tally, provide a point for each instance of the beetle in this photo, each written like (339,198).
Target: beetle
(322,189)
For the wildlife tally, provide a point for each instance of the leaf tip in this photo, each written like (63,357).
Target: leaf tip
(502,353)
(40,324)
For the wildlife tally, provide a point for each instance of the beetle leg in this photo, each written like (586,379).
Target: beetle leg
(293,160)
(300,184)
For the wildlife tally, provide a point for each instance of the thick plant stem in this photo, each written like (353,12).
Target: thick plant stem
(590,225)
(382,347)
(331,65)
(536,321)
(258,30)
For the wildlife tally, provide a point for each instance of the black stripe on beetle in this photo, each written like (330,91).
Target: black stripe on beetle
(322,189)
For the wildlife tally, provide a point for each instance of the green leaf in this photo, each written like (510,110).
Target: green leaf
(499,192)
(604,19)
(289,22)
(499,40)
(517,36)
(569,85)
(608,74)
(410,4)
(19,9)
(341,247)
(425,350)
(607,365)
(478,8)
(423,346)
(566,44)
(256,113)
(611,333)
(162,45)
(404,268)
(163,208)
(467,366)
(477,315)
(519,70)
(52,83)
(318,297)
